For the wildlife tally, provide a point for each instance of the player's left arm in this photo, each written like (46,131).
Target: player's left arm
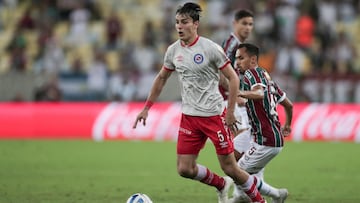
(288,106)
(223,82)
(284,101)
(233,79)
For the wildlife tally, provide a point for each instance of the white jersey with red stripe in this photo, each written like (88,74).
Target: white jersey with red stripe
(198,66)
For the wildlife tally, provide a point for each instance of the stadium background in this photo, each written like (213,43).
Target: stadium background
(92,50)
(92,90)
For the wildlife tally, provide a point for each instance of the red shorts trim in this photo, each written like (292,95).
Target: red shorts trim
(195,130)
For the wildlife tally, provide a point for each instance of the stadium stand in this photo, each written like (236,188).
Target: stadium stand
(46,42)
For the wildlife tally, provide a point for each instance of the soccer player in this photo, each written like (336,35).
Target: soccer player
(242,25)
(262,94)
(199,62)
(242,28)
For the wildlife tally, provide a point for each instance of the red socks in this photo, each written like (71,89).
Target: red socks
(253,192)
(207,177)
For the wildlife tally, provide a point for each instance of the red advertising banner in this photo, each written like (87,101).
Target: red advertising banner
(48,120)
(117,119)
(108,121)
(329,122)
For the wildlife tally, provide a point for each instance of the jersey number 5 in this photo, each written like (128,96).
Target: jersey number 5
(220,136)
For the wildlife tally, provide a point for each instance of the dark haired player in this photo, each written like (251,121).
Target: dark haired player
(199,62)
(263,94)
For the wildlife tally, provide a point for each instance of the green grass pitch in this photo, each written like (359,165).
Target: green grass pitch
(39,171)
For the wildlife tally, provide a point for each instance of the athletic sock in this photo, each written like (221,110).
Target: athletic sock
(250,188)
(268,190)
(205,176)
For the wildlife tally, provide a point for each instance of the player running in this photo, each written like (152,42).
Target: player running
(199,62)
(262,94)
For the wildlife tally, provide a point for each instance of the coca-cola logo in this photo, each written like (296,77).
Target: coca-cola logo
(117,119)
(327,122)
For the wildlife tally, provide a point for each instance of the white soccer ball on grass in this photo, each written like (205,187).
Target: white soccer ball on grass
(139,198)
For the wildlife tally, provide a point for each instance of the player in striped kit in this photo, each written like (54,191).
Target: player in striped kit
(242,28)
(242,24)
(199,62)
(263,94)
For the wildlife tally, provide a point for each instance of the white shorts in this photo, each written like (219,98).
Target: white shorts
(257,157)
(242,140)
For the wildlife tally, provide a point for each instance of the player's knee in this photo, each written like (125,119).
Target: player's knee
(186,172)
(229,170)
(238,155)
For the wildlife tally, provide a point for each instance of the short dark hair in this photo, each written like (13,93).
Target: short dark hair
(191,9)
(243,14)
(251,49)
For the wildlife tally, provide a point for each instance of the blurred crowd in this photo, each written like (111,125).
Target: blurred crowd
(108,50)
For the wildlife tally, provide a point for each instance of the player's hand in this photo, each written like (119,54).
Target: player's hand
(286,130)
(231,122)
(240,94)
(241,101)
(141,117)
(236,133)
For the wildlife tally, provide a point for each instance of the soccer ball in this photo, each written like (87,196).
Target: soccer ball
(139,198)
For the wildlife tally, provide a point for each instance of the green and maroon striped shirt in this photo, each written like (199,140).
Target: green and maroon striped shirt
(264,120)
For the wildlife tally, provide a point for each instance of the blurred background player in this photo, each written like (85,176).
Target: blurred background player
(199,62)
(242,28)
(262,94)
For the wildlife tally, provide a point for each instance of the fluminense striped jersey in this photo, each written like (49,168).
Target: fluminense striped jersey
(264,120)
(230,46)
(198,66)
(277,92)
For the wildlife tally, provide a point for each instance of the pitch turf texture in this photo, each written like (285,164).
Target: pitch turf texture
(109,172)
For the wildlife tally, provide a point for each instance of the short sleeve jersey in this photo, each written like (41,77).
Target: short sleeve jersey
(198,66)
(265,124)
(230,46)
(277,92)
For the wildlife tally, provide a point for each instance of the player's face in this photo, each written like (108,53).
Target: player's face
(243,27)
(186,28)
(242,60)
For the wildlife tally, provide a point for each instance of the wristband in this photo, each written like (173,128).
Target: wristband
(148,104)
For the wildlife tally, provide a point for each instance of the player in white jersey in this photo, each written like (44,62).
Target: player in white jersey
(199,62)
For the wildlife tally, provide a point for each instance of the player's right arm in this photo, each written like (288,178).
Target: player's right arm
(156,89)
(256,92)
(158,84)
(254,81)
